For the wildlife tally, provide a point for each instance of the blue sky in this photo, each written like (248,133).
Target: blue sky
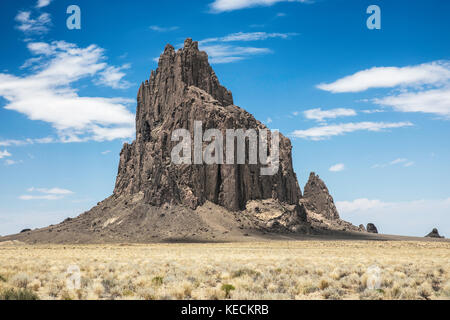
(368,110)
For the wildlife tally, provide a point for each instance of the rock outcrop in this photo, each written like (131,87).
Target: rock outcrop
(182,90)
(317,198)
(158,200)
(371,228)
(434,234)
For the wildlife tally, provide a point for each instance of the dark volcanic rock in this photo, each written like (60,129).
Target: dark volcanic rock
(184,89)
(25,230)
(371,228)
(156,200)
(434,234)
(318,199)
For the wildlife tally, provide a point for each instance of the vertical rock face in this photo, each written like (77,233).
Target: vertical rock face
(182,90)
(318,199)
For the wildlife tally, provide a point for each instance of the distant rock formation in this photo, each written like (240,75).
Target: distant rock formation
(371,228)
(434,234)
(362,228)
(317,198)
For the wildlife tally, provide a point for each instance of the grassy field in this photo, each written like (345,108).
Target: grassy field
(275,270)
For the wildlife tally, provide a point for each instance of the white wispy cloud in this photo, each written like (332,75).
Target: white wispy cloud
(58,191)
(46,194)
(221,49)
(371,111)
(435,101)
(43,3)
(248,36)
(10,162)
(28,25)
(226,53)
(399,161)
(106,152)
(337,167)
(322,115)
(230,5)
(11,142)
(163,29)
(323,132)
(437,72)
(47,93)
(4,154)
(40,197)
(113,77)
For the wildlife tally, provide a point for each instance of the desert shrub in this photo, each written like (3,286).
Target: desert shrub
(20,294)
(20,280)
(307,288)
(2,278)
(157,281)
(425,291)
(369,294)
(227,288)
(323,284)
(245,271)
(108,284)
(332,294)
(446,290)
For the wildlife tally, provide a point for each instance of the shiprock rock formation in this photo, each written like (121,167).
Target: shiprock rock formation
(185,89)
(434,234)
(157,200)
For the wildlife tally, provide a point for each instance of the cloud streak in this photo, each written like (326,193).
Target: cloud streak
(328,131)
(43,3)
(220,49)
(337,167)
(322,115)
(163,29)
(226,54)
(436,101)
(437,72)
(46,194)
(248,36)
(231,5)
(4,154)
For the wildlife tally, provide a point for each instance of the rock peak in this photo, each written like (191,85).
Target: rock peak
(434,234)
(188,44)
(182,90)
(318,198)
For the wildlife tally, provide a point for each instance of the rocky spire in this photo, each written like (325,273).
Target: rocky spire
(182,90)
(434,234)
(318,199)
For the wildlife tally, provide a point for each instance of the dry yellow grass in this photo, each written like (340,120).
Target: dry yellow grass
(276,270)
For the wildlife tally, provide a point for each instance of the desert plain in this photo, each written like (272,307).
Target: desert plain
(310,269)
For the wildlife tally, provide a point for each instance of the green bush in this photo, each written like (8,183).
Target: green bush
(20,294)
(157,281)
(228,288)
